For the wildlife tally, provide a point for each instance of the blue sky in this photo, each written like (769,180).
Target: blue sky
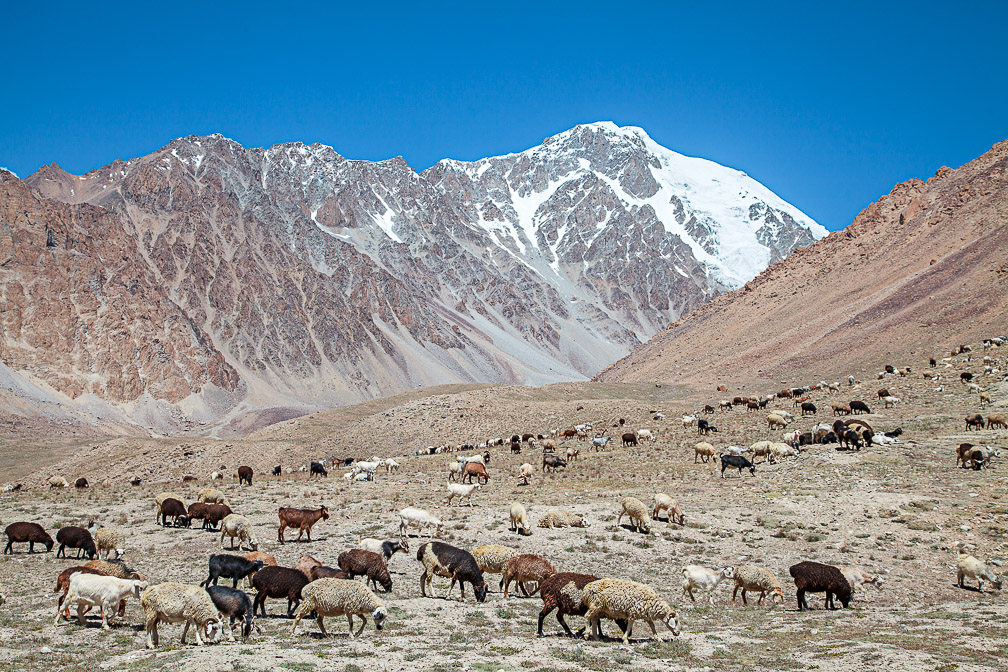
(828,105)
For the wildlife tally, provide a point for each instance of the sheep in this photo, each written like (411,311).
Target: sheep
(232,567)
(704,451)
(858,407)
(525,472)
(815,577)
(420,519)
(212,496)
(236,605)
(340,597)
(857,577)
(519,519)
(663,502)
(968,566)
(95,590)
(238,526)
(697,577)
(757,579)
(178,603)
(563,592)
(637,512)
(25,532)
(997,422)
(451,562)
(704,427)
(524,568)
(358,562)
(75,537)
(841,409)
(245,475)
(781,450)
(985,400)
(558,518)
(306,564)
(213,514)
(619,599)
(808,408)
(160,498)
(553,463)
(761,449)
(688,421)
(58,482)
(491,558)
(775,421)
(975,420)
(981,457)
(302,519)
(647,435)
(171,508)
(117,569)
(391,465)
(278,582)
(386,548)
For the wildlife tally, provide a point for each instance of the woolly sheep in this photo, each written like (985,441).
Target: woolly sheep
(235,525)
(775,420)
(340,597)
(95,590)
(757,579)
(969,567)
(559,518)
(58,482)
(525,473)
(637,512)
(703,450)
(780,450)
(526,568)
(178,603)
(761,449)
(212,496)
(621,599)
(455,470)
(519,520)
(491,558)
(697,577)
(160,498)
(663,502)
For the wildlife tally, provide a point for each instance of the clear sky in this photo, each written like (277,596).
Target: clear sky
(828,105)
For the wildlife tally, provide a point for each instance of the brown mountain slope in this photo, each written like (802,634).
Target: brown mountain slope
(922,269)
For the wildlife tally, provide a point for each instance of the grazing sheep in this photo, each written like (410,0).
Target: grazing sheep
(386,548)
(491,558)
(619,599)
(858,407)
(117,569)
(96,590)
(556,518)
(975,421)
(245,475)
(697,577)
(58,482)
(704,451)
(637,512)
(340,597)
(178,603)
(519,520)
(663,502)
(563,592)
(30,533)
(212,496)
(776,421)
(358,562)
(451,562)
(526,568)
(75,537)
(420,519)
(306,564)
(757,579)
(782,450)
(760,449)
(815,577)
(278,582)
(841,409)
(968,566)
(553,462)
(997,422)
(236,605)
(159,500)
(525,473)
(171,508)
(238,526)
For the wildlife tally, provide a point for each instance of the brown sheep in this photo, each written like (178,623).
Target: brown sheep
(996,422)
(525,568)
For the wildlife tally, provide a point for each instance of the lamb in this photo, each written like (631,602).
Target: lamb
(75,537)
(178,603)
(558,518)
(563,592)
(968,566)
(524,568)
(340,597)
(237,606)
(302,519)
(420,519)
(212,496)
(235,525)
(697,577)
(704,451)
(757,579)
(857,577)
(232,567)
(25,532)
(619,599)
(386,548)
(663,502)
(525,473)
(815,577)
(491,558)
(160,498)
(637,512)
(451,562)
(95,590)
(519,520)
(358,562)
(278,582)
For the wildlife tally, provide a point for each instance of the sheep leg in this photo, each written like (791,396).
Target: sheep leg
(423,581)
(560,619)
(591,631)
(802,604)
(297,619)
(542,616)
(363,623)
(196,631)
(280,532)
(653,630)
(629,629)
(743,597)
(152,636)
(321,626)
(185,629)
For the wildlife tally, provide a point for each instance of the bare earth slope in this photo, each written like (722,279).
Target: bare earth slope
(919,271)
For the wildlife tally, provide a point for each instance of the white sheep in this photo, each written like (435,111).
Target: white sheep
(525,472)
(556,518)
(697,577)
(455,470)
(519,519)
(663,502)
(857,577)
(619,599)
(491,558)
(890,401)
(688,421)
(637,512)
(645,435)
(178,603)
(96,590)
(391,465)
(780,450)
(340,597)
(110,540)
(775,420)
(761,449)
(461,491)
(757,579)
(422,520)
(969,567)
(704,451)
(212,496)
(237,526)
(58,482)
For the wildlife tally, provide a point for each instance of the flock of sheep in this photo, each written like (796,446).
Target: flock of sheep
(318,591)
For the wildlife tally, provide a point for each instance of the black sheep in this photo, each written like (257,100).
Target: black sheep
(737,461)
(317,470)
(81,483)
(75,537)
(815,577)
(830,437)
(236,604)
(171,508)
(358,562)
(277,470)
(30,533)
(808,408)
(245,475)
(234,567)
(630,439)
(859,407)
(562,591)
(278,582)
(451,562)
(213,514)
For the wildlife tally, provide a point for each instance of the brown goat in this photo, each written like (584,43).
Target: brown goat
(303,519)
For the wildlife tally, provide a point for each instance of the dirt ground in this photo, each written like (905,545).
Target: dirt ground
(892,510)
